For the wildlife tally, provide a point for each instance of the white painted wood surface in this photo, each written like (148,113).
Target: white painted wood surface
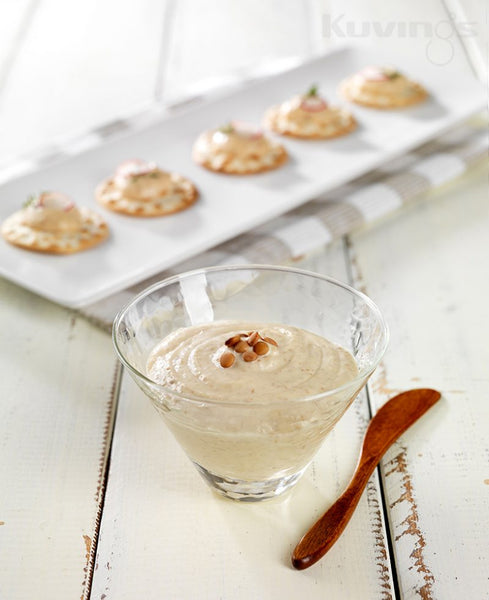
(435,477)
(428,269)
(57,395)
(163,533)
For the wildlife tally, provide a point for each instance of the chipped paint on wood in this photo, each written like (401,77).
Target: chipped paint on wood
(382,391)
(382,558)
(379,384)
(88,546)
(381,553)
(398,466)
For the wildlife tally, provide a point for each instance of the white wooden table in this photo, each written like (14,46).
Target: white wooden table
(96,499)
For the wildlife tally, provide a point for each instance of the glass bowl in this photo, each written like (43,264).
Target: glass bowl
(251,448)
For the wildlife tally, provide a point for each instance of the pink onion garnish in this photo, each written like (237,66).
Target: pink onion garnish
(248,130)
(55,200)
(313,104)
(374,74)
(134,167)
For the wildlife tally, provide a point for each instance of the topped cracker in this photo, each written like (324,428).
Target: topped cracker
(51,222)
(309,116)
(142,189)
(382,87)
(238,148)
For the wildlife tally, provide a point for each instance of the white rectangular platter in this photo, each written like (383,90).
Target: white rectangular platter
(228,205)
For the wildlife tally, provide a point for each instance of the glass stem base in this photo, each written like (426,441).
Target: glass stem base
(249,491)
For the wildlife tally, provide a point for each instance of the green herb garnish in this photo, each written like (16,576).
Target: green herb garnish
(391,73)
(313,91)
(227,128)
(31,199)
(153,173)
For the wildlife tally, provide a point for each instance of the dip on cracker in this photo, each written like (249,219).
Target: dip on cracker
(238,148)
(382,87)
(309,116)
(141,189)
(51,222)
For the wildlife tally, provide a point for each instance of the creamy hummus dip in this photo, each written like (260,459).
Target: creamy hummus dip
(302,364)
(140,188)
(309,116)
(257,423)
(382,87)
(238,148)
(51,222)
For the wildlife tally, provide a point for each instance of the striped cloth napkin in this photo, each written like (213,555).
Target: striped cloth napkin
(339,212)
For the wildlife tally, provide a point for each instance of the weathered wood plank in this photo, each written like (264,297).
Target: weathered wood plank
(56,411)
(165,535)
(428,269)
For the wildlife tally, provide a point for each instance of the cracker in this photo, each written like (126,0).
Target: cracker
(280,158)
(108,195)
(396,102)
(270,123)
(94,231)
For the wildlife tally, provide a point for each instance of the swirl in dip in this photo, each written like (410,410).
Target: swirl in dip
(382,87)
(250,420)
(140,188)
(238,148)
(51,222)
(309,116)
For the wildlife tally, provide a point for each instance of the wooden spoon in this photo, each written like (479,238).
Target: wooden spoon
(391,421)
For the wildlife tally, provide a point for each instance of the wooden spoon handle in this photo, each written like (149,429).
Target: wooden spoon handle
(324,533)
(391,421)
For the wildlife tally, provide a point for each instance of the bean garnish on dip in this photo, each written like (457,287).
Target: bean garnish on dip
(249,345)
(240,361)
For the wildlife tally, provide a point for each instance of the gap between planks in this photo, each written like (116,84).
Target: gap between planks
(355,279)
(104,463)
